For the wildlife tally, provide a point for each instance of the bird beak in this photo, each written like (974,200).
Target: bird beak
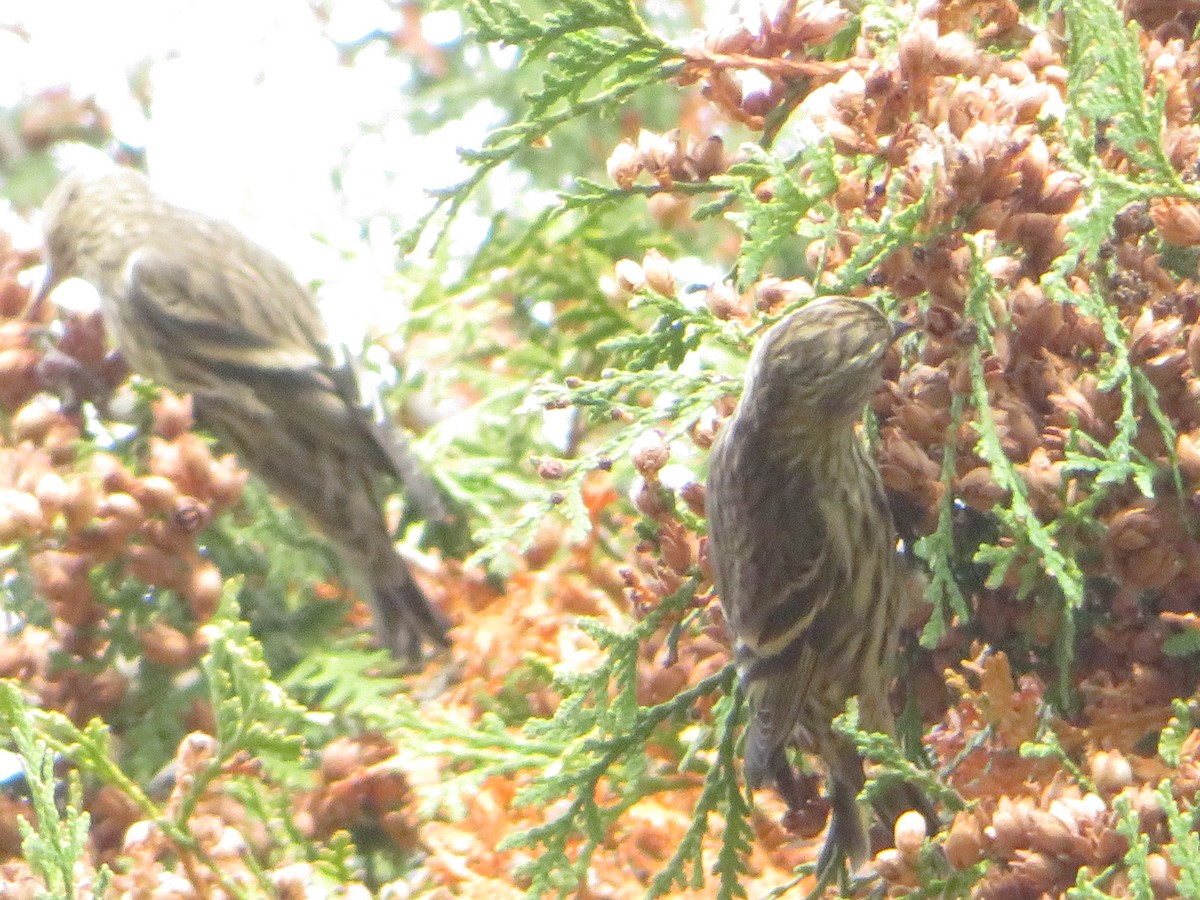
(900,329)
(33,311)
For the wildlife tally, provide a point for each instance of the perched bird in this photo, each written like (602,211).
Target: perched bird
(194,305)
(804,554)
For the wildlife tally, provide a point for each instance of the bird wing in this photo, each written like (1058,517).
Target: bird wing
(225,315)
(773,566)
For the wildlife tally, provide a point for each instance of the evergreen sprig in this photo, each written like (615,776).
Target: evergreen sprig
(939,550)
(255,720)
(593,55)
(1107,101)
(682,399)
(56,845)
(721,795)
(768,219)
(589,761)
(895,766)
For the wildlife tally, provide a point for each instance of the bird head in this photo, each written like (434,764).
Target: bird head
(87,223)
(823,362)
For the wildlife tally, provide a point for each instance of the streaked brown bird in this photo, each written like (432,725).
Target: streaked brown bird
(194,305)
(804,554)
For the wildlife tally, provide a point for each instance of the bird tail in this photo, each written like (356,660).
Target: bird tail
(339,494)
(776,696)
(763,749)
(405,619)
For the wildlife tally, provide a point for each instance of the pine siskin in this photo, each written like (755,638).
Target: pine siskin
(196,306)
(803,550)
